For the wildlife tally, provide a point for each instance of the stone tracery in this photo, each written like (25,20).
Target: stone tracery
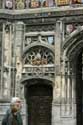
(39,56)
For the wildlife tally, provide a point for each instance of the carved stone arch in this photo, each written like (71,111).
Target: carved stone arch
(38,55)
(36,45)
(72,37)
(39,96)
(75,50)
(72,46)
(71,49)
(33,80)
(73,54)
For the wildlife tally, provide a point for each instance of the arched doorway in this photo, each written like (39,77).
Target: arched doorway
(39,103)
(79,89)
(73,51)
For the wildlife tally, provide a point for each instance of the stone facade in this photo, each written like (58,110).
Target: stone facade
(40,53)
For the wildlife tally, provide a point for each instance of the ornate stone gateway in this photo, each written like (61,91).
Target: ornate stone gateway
(38,76)
(39,101)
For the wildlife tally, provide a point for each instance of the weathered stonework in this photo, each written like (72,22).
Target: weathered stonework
(42,48)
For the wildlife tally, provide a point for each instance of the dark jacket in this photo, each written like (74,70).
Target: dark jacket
(10,119)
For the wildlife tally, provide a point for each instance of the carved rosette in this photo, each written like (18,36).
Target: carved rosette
(20,4)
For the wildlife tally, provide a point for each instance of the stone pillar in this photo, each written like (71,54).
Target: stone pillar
(74,94)
(19,35)
(58,45)
(6,61)
(2,61)
(56,90)
(58,42)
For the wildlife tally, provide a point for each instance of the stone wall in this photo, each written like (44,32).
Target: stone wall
(60,118)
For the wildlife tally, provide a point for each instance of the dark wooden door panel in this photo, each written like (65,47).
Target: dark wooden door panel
(39,105)
(79,89)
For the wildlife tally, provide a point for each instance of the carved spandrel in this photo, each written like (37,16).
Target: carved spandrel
(71,27)
(46,39)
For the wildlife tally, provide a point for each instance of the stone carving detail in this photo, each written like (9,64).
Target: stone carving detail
(49,39)
(41,71)
(69,28)
(38,61)
(20,4)
(9,4)
(39,56)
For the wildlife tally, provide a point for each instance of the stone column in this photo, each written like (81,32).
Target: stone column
(58,43)
(2,62)
(6,61)
(74,92)
(19,35)
(56,90)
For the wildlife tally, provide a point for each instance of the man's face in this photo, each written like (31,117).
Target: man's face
(18,104)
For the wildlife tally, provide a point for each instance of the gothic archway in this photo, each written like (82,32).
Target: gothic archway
(38,75)
(73,49)
(39,102)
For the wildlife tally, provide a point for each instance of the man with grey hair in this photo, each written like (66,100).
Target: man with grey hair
(13,116)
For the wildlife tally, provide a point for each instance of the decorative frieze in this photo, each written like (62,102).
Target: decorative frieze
(39,28)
